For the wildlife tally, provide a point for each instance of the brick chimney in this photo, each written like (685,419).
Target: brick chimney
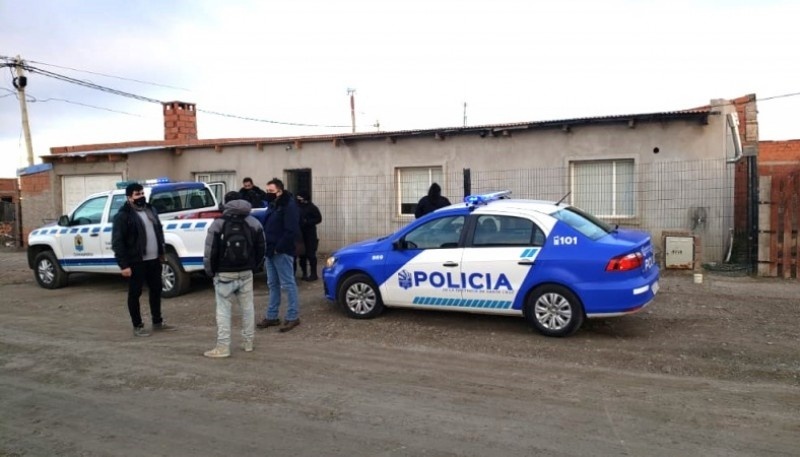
(180,121)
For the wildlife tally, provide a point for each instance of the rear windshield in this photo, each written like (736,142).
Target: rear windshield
(170,201)
(583,222)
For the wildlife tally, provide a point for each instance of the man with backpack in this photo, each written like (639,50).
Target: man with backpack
(235,246)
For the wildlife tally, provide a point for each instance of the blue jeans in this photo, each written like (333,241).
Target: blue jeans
(226,287)
(280,277)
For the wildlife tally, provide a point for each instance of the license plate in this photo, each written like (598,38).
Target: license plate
(654,287)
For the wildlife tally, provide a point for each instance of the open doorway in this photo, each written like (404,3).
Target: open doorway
(299,180)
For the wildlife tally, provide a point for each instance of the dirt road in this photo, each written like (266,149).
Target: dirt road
(711,370)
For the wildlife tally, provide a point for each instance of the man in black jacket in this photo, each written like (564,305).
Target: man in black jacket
(310,217)
(252,193)
(281,229)
(138,242)
(431,202)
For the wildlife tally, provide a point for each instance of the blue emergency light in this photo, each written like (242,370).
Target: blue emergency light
(482,199)
(143,182)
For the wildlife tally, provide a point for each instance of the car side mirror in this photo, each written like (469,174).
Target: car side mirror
(63,221)
(398,245)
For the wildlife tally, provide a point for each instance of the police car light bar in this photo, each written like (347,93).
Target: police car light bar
(143,182)
(482,199)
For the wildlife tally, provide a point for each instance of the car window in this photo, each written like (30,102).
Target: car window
(583,222)
(493,230)
(90,212)
(171,201)
(117,202)
(444,232)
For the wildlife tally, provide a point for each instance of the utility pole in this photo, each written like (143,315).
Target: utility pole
(19,83)
(465,114)
(352,94)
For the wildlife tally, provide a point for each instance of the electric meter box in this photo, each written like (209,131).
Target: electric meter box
(679,252)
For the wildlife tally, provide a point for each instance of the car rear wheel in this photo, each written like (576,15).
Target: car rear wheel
(48,272)
(174,280)
(554,311)
(360,298)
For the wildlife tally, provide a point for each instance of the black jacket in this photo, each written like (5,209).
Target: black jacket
(282,225)
(309,218)
(128,236)
(255,195)
(428,204)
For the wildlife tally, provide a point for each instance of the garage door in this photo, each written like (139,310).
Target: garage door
(75,188)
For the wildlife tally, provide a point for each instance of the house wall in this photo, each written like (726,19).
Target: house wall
(354,186)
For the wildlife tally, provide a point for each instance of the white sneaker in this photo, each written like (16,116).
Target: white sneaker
(247,346)
(218,352)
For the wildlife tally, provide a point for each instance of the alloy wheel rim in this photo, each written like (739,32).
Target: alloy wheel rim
(553,311)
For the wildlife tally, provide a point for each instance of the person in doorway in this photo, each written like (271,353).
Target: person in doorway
(310,217)
(234,247)
(137,240)
(252,193)
(431,202)
(281,227)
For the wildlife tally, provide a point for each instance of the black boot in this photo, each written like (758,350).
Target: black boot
(303,268)
(313,263)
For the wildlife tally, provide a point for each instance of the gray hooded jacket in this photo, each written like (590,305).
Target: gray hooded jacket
(241,208)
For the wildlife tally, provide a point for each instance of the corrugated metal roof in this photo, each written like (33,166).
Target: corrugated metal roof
(124,148)
(120,150)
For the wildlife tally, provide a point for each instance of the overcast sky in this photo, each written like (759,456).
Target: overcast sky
(413,64)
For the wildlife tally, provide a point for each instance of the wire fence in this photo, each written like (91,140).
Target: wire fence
(696,198)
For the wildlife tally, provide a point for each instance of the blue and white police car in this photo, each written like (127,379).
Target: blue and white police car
(551,263)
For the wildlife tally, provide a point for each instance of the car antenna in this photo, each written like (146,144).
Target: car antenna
(563,198)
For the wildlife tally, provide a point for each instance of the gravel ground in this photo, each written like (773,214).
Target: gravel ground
(708,369)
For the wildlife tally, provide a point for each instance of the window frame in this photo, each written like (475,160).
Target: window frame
(398,175)
(616,192)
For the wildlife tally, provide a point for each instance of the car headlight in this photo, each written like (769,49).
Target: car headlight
(330,262)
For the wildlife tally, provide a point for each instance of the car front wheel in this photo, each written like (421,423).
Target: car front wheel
(554,311)
(174,280)
(360,298)
(49,273)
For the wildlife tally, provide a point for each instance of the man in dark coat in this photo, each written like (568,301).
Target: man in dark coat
(137,240)
(252,193)
(281,228)
(431,202)
(310,217)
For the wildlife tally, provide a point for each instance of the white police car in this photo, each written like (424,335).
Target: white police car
(548,262)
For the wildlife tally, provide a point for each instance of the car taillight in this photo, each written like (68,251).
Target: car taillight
(625,262)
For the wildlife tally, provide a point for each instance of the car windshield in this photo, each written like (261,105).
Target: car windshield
(583,222)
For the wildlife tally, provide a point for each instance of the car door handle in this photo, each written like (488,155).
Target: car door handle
(450,264)
(526,262)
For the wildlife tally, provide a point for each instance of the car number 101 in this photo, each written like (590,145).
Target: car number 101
(565,240)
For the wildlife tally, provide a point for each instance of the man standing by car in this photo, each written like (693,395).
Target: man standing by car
(234,248)
(281,227)
(309,218)
(252,193)
(137,239)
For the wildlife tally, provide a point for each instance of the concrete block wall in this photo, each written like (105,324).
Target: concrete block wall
(37,200)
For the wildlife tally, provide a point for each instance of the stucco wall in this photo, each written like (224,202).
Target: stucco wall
(353,181)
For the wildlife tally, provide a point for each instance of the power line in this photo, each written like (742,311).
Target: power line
(110,76)
(91,85)
(794,94)
(72,102)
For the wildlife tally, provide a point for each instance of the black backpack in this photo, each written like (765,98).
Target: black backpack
(235,245)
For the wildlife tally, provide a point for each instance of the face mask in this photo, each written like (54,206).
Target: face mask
(271,198)
(140,202)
